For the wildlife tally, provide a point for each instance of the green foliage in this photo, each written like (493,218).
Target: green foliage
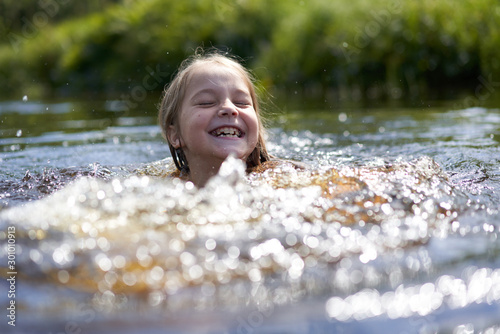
(374,48)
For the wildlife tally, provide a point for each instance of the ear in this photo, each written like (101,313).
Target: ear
(173,136)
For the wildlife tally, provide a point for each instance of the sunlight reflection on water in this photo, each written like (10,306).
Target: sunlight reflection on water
(374,230)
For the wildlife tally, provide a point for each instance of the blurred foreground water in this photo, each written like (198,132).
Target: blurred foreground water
(392,227)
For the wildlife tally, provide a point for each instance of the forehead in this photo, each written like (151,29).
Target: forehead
(215,75)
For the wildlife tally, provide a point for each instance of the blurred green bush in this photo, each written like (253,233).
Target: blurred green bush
(316,48)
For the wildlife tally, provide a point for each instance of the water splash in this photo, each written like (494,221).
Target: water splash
(34,185)
(285,232)
(481,286)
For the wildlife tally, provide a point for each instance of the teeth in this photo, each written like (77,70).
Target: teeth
(226,132)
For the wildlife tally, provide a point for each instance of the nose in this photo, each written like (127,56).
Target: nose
(228,109)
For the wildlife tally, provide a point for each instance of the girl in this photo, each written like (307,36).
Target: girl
(208,111)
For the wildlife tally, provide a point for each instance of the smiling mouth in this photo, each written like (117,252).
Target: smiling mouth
(227,132)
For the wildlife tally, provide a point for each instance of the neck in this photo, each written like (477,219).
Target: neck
(200,174)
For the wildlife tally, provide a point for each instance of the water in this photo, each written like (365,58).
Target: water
(392,227)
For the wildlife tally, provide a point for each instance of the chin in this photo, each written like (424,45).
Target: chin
(236,153)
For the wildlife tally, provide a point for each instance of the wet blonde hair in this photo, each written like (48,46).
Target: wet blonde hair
(173,95)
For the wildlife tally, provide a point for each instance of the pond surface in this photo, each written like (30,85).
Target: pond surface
(392,227)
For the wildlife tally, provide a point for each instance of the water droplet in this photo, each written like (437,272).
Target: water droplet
(210,244)
(157,273)
(119,261)
(255,275)
(233,252)
(129,279)
(63,276)
(195,272)
(104,262)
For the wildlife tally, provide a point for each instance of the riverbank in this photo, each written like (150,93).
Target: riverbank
(383,49)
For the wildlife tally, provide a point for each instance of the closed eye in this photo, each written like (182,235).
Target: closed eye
(243,103)
(206,103)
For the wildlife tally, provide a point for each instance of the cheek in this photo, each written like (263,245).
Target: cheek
(191,128)
(198,120)
(254,129)
(255,139)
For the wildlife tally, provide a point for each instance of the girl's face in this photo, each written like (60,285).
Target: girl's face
(217,117)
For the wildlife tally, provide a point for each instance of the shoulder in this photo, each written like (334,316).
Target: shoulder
(161,169)
(278,163)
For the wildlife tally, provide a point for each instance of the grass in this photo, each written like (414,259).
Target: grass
(373,49)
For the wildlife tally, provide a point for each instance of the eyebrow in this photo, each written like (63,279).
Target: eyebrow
(213,91)
(203,91)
